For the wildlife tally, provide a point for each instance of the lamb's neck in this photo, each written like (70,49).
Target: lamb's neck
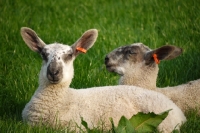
(57,87)
(145,78)
(48,101)
(47,90)
(52,90)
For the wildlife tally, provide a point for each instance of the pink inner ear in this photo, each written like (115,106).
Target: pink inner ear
(28,35)
(79,45)
(34,48)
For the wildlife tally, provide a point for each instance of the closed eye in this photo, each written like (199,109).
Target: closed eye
(44,55)
(131,52)
(67,57)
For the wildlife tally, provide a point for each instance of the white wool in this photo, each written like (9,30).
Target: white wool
(97,104)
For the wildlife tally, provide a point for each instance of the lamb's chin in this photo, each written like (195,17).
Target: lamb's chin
(54,81)
(114,69)
(110,68)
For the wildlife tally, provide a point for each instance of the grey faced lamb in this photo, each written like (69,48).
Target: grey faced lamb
(137,66)
(54,103)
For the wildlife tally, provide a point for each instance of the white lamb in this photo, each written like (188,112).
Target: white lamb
(136,66)
(54,102)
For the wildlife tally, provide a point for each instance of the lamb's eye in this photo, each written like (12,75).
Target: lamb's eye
(67,57)
(70,55)
(44,56)
(131,52)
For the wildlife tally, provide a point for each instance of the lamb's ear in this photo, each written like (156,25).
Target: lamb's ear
(31,39)
(85,42)
(166,52)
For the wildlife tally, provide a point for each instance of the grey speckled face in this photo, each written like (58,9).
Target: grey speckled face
(126,54)
(55,56)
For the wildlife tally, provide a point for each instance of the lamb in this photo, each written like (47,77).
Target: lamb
(54,103)
(136,66)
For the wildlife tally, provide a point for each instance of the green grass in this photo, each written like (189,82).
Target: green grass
(153,22)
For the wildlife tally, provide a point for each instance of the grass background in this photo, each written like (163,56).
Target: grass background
(152,22)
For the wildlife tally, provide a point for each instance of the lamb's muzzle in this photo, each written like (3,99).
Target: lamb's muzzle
(54,72)
(107,63)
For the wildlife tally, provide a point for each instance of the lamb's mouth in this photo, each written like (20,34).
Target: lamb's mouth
(110,68)
(54,78)
(54,81)
(113,68)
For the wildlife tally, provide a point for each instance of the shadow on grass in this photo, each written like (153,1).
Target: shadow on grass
(10,107)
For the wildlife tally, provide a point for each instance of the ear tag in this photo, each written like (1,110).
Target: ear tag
(156,58)
(81,49)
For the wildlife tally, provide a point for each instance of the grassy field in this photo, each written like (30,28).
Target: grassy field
(152,22)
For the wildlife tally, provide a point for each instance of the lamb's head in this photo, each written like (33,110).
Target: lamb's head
(137,55)
(137,60)
(58,58)
(125,57)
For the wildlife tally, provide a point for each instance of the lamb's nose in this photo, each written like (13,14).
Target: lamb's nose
(106,59)
(54,72)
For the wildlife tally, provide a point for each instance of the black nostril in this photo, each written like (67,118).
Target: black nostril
(106,59)
(56,72)
(53,73)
